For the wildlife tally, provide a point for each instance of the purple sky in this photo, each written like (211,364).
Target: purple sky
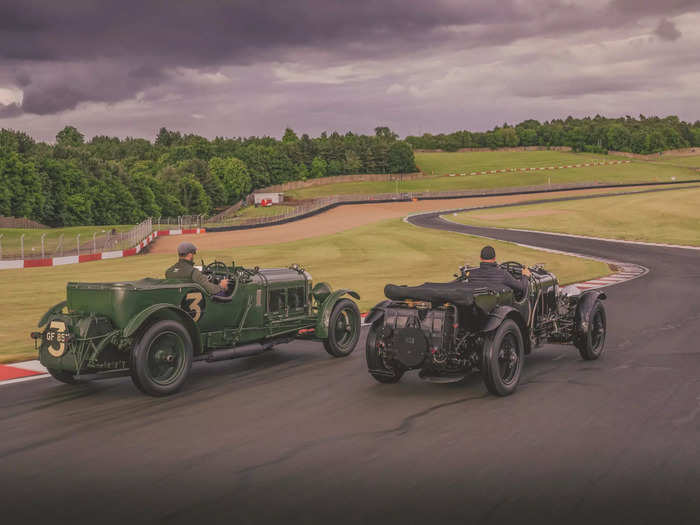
(232,68)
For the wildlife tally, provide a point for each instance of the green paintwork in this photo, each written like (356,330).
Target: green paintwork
(104,320)
(55,309)
(324,315)
(164,311)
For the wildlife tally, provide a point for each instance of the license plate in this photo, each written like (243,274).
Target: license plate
(56,338)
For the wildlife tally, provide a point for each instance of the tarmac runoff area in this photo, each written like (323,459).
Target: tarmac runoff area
(295,436)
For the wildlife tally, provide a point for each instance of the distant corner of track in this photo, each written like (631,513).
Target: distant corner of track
(621,271)
(658,186)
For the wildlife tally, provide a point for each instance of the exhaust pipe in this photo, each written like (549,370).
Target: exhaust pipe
(238,351)
(241,351)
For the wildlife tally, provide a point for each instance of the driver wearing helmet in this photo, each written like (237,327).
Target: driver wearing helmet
(184,269)
(489,274)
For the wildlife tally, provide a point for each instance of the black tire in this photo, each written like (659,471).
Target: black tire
(375,362)
(62,376)
(502,359)
(161,359)
(592,343)
(343,329)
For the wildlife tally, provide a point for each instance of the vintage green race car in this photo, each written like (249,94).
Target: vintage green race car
(153,329)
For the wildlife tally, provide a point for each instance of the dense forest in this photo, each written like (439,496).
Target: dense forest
(108,180)
(597,134)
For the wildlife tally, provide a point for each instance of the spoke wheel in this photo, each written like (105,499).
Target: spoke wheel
(161,359)
(502,359)
(343,329)
(508,359)
(591,343)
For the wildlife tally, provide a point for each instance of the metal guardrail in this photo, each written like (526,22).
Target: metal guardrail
(60,245)
(179,223)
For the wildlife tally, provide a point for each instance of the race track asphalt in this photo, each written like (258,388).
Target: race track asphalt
(295,436)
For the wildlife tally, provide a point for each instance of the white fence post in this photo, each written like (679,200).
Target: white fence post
(77,243)
(42,244)
(21,244)
(94,243)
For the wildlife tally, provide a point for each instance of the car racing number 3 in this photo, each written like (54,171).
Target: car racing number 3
(194,303)
(56,338)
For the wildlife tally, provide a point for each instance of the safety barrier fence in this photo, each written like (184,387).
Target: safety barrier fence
(124,244)
(43,244)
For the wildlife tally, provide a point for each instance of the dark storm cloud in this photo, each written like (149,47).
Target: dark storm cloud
(639,8)
(168,53)
(154,36)
(666,30)
(23,79)
(209,31)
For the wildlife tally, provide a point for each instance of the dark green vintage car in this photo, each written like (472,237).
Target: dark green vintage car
(153,329)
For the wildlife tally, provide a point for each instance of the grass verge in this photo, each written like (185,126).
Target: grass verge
(364,259)
(671,217)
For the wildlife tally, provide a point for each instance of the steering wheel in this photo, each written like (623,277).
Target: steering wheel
(217,269)
(513,267)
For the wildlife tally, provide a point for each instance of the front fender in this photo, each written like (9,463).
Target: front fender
(324,312)
(55,309)
(158,312)
(584,307)
(498,315)
(377,312)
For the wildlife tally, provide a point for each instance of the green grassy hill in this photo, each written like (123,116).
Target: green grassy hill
(468,162)
(670,217)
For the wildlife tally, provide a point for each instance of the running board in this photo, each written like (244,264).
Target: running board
(102,375)
(384,373)
(443,379)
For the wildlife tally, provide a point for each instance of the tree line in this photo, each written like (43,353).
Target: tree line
(597,134)
(107,180)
